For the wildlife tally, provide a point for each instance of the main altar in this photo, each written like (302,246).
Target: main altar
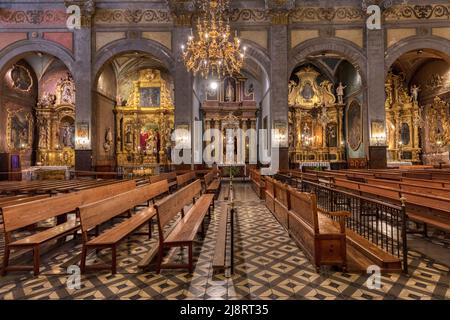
(229,106)
(144,124)
(315,120)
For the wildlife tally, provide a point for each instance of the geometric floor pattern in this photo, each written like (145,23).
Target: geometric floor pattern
(268,265)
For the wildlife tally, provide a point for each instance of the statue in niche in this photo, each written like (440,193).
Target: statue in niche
(151,143)
(229,91)
(415,93)
(43,134)
(108,140)
(340,93)
(128,135)
(67,136)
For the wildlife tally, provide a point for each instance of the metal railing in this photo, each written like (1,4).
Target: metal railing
(381,223)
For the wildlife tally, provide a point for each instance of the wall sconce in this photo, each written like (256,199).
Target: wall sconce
(82,143)
(82,139)
(279,134)
(378,133)
(182,137)
(378,140)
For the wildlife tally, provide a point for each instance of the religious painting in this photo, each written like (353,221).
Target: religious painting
(405,134)
(150,96)
(229,87)
(21,78)
(149,139)
(354,126)
(67,133)
(20,128)
(332,135)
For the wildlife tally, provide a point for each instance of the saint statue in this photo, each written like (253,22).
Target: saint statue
(108,140)
(43,135)
(67,137)
(415,93)
(340,93)
(128,135)
(229,92)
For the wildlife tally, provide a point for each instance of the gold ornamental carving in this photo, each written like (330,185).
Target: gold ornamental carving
(402,115)
(315,119)
(145,123)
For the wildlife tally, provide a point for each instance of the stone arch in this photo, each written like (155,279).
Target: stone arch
(347,49)
(415,43)
(19,49)
(257,54)
(115,48)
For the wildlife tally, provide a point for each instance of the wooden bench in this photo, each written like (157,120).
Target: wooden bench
(171,178)
(212,183)
(94,214)
(183,231)
(257,181)
(281,205)
(270,194)
(322,239)
(421,208)
(22,215)
(185,178)
(219,258)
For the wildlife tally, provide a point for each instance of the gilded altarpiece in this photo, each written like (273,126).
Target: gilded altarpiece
(315,120)
(55,117)
(402,121)
(437,131)
(230,106)
(144,125)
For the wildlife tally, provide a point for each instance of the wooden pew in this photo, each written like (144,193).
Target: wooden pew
(171,178)
(270,194)
(22,215)
(322,239)
(183,232)
(94,214)
(281,203)
(220,248)
(421,208)
(185,178)
(257,181)
(212,183)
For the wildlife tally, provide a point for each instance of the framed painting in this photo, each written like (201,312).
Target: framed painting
(19,129)
(354,125)
(150,97)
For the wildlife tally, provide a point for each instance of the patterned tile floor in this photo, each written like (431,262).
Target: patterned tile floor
(268,265)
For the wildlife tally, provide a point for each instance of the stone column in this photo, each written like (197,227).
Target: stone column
(83,86)
(279,76)
(183,80)
(375,87)
(244,152)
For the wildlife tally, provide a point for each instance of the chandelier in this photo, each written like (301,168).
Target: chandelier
(213,52)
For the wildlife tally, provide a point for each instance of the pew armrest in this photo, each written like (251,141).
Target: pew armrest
(341,215)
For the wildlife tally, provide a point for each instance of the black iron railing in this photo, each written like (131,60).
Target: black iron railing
(381,223)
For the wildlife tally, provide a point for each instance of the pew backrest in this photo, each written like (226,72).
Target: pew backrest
(281,193)
(304,205)
(270,186)
(22,215)
(184,178)
(96,213)
(170,206)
